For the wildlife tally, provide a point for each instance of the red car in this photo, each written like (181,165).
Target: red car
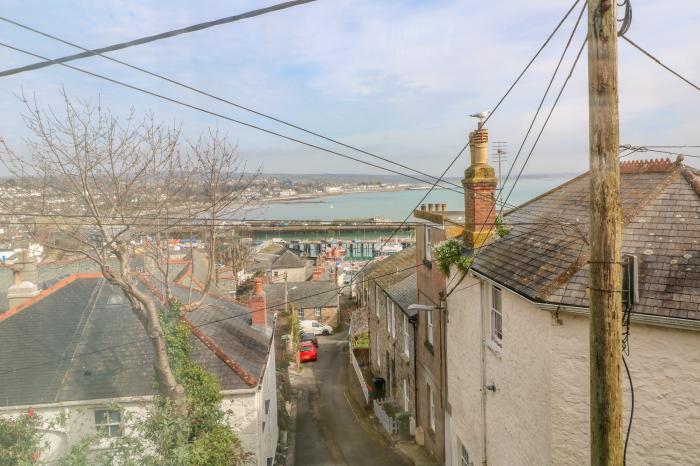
(307,352)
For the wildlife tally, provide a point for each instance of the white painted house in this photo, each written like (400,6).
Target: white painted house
(518,329)
(75,348)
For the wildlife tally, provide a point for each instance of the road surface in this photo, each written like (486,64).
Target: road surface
(331,431)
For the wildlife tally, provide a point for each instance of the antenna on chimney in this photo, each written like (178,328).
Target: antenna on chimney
(499,155)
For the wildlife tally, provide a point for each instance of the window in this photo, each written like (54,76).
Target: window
(431,407)
(300,313)
(464,457)
(427,253)
(267,406)
(393,320)
(317,312)
(388,316)
(108,422)
(429,324)
(496,316)
(406,349)
(376,300)
(406,397)
(316,324)
(379,357)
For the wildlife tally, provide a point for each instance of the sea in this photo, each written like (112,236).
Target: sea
(391,205)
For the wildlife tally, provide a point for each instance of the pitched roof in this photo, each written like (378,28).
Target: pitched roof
(81,341)
(305,295)
(546,260)
(288,260)
(396,275)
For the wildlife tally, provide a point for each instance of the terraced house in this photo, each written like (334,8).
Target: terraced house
(392,326)
(518,332)
(71,346)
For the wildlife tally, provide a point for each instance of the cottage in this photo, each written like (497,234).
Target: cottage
(518,330)
(73,347)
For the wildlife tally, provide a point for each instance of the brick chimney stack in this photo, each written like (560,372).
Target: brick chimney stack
(258,305)
(479,187)
(318,271)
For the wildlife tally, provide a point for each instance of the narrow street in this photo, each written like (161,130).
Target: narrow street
(330,430)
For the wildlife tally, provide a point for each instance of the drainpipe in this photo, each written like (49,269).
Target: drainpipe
(414,322)
(484,459)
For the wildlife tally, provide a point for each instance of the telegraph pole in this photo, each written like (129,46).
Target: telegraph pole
(605,236)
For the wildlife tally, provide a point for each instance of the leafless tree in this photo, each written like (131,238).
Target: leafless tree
(120,188)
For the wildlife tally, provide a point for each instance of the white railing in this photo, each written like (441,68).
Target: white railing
(388,422)
(358,373)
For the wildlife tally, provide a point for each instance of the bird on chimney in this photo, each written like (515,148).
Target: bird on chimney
(482,116)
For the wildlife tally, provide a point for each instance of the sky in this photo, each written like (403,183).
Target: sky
(396,78)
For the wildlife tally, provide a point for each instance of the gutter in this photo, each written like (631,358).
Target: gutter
(111,401)
(648,319)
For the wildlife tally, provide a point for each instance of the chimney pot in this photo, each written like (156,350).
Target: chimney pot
(431,207)
(422,207)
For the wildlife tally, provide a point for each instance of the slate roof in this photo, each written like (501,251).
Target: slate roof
(305,295)
(401,286)
(288,260)
(546,260)
(81,341)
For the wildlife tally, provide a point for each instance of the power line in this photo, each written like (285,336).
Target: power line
(221,99)
(488,117)
(658,151)
(544,125)
(219,115)
(666,67)
(242,314)
(153,38)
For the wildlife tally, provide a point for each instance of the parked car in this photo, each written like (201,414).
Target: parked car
(308,336)
(307,352)
(315,327)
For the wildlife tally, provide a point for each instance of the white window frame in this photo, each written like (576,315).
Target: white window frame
(429,325)
(496,315)
(317,312)
(406,397)
(427,252)
(464,456)
(300,313)
(406,348)
(105,425)
(379,356)
(431,407)
(393,320)
(376,300)
(388,315)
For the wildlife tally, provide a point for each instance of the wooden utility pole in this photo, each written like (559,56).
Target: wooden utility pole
(605,236)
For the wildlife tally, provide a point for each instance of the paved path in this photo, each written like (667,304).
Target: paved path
(330,431)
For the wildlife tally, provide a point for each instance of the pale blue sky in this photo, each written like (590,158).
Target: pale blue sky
(394,77)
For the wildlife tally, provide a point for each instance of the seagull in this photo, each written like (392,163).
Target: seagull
(481,116)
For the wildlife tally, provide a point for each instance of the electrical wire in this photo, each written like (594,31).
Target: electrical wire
(666,67)
(156,37)
(235,316)
(221,99)
(491,113)
(218,115)
(629,424)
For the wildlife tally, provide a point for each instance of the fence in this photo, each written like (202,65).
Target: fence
(358,373)
(387,421)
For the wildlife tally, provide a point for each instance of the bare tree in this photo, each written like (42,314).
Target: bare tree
(118,188)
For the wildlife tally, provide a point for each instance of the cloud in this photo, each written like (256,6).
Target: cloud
(394,77)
